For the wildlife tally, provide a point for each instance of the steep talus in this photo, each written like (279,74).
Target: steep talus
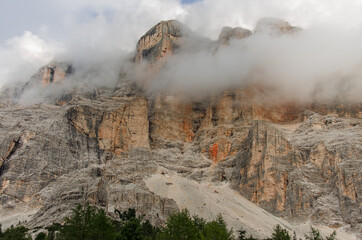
(120,148)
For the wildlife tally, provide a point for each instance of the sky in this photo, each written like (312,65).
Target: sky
(35,32)
(188,1)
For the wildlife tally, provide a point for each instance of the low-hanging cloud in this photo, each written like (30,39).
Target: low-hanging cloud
(98,37)
(320,64)
(21,56)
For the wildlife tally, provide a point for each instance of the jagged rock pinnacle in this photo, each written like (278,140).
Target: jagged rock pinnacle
(275,25)
(228,33)
(160,40)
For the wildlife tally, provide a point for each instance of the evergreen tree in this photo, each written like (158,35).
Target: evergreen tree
(55,227)
(149,232)
(199,222)
(216,230)
(242,234)
(280,234)
(41,236)
(316,235)
(133,227)
(130,230)
(87,223)
(16,233)
(100,227)
(332,236)
(179,226)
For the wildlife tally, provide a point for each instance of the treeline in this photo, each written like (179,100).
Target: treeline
(89,223)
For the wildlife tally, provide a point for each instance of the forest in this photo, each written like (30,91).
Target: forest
(87,222)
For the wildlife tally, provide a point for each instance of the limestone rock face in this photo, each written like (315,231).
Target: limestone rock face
(160,40)
(228,33)
(47,80)
(118,128)
(263,167)
(330,153)
(54,72)
(53,158)
(275,26)
(299,162)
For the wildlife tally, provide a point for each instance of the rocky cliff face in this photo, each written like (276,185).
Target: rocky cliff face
(44,85)
(161,40)
(228,33)
(275,26)
(300,162)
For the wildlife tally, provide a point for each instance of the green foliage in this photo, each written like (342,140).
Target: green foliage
(280,234)
(41,236)
(148,231)
(216,230)
(15,233)
(87,223)
(242,235)
(130,230)
(126,215)
(55,227)
(332,236)
(179,226)
(314,234)
(199,222)
(133,227)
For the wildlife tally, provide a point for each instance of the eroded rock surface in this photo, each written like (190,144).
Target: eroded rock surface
(299,162)
(228,33)
(275,26)
(160,40)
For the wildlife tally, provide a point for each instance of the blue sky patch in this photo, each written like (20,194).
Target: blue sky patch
(189,1)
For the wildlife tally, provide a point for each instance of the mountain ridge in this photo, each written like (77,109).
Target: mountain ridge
(101,145)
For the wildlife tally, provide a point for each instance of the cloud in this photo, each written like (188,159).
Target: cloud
(320,64)
(22,55)
(209,16)
(98,35)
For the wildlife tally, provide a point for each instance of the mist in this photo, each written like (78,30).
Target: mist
(316,64)
(322,62)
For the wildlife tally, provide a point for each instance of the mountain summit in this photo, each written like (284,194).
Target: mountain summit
(259,163)
(162,39)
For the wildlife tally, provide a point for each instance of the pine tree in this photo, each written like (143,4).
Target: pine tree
(179,226)
(314,234)
(87,223)
(241,235)
(16,233)
(41,236)
(280,234)
(216,230)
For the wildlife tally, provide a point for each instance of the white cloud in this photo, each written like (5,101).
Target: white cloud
(22,55)
(100,33)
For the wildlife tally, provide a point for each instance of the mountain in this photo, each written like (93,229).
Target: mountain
(258,163)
